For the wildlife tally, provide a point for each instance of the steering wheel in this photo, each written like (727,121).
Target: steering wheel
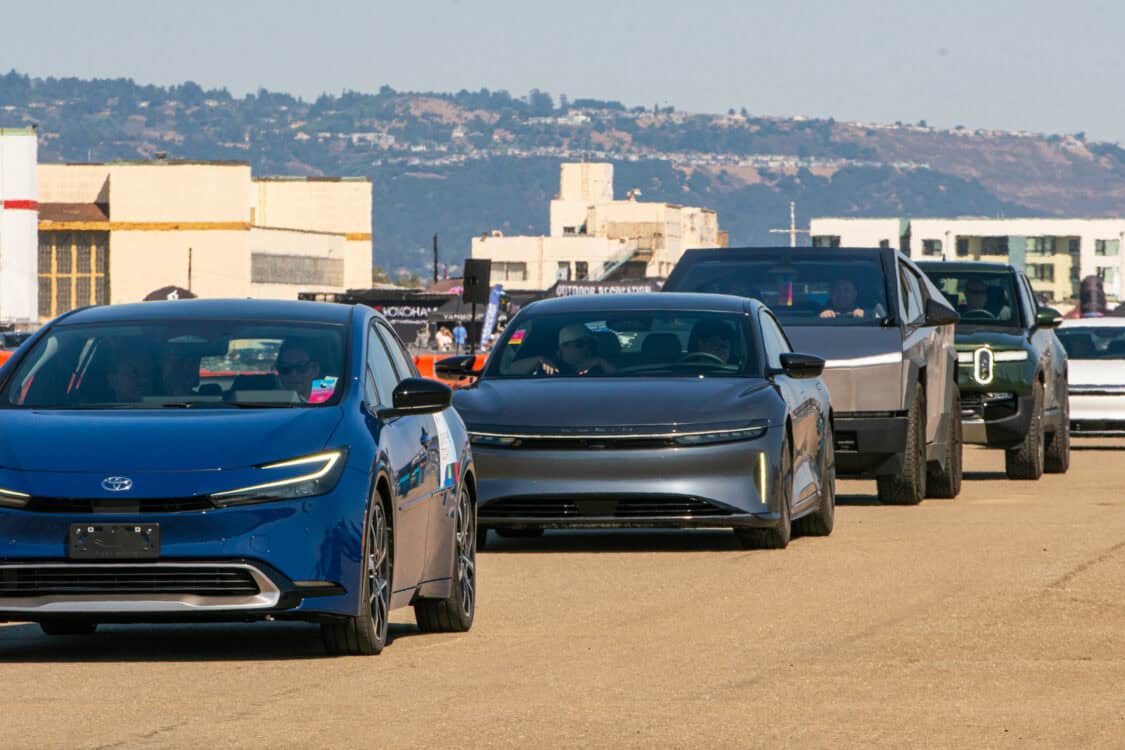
(702,356)
(978,313)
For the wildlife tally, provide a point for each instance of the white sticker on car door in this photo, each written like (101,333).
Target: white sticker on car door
(447,452)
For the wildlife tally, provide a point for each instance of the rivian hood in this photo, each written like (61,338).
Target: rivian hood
(129,441)
(613,404)
(974,337)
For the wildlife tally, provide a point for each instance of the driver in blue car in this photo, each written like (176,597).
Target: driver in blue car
(297,369)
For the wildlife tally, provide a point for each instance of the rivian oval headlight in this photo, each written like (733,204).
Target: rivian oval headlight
(322,474)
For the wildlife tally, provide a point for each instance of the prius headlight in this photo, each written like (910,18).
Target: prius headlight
(720,436)
(296,478)
(13,499)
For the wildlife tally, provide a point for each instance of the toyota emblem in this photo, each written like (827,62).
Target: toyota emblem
(117,484)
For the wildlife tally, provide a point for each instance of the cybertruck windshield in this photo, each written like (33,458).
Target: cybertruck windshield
(181,364)
(803,287)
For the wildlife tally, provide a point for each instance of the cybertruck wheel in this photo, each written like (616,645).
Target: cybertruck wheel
(821,520)
(366,633)
(778,536)
(1057,459)
(454,614)
(946,483)
(1026,460)
(68,627)
(908,487)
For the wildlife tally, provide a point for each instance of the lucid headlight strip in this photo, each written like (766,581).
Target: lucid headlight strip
(618,436)
(762,476)
(890,358)
(327,459)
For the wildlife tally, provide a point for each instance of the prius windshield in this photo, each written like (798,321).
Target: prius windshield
(1093,342)
(181,364)
(803,287)
(632,343)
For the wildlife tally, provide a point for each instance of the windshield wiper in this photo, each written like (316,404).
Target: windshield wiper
(195,405)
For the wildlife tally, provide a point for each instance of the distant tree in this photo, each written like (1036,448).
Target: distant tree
(539,103)
(922,124)
(744,112)
(379,275)
(731,111)
(409,279)
(564,103)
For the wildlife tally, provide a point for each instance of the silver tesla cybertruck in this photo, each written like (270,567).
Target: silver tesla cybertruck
(886,333)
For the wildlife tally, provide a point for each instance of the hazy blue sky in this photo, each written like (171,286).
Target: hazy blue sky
(1042,65)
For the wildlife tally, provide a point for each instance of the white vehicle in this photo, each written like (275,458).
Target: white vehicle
(1095,348)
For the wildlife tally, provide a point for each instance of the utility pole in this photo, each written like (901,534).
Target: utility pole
(792,231)
(435,258)
(189,269)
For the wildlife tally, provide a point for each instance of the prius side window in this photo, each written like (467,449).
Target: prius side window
(402,364)
(380,380)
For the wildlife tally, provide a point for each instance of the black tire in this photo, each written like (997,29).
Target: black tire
(778,536)
(68,627)
(454,614)
(1026,460)
(519,533)
(946,483)
(366,633)
(821,521)
(908,487)
(1057,458)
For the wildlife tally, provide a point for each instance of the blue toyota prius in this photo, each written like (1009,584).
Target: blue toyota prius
(232,460)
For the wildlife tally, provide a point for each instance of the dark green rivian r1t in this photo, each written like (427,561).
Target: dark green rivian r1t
(1010,366)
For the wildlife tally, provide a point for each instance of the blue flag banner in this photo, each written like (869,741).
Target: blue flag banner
(490,314)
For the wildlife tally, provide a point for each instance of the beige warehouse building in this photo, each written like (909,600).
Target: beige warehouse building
(592,235)
(113,233)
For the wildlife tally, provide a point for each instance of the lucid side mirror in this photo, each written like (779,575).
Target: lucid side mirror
(417,396)
(938,314)
(1048,317)
(456,368)
(801,365)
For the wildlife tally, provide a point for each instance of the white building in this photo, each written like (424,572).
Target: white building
(592,234)
(19,221)
(1055,253)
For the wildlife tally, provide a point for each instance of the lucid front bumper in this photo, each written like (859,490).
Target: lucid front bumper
(551,482)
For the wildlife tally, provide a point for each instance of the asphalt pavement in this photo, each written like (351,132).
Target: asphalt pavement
(993,620)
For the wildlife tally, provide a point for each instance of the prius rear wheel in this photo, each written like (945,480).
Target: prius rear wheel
(366,633)
(454,614)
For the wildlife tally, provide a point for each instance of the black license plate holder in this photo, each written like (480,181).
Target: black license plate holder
(113,541)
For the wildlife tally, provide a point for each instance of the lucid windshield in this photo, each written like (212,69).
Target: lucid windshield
(186,364)
(982,299)
(803,287)
(626,344)
(1093,342)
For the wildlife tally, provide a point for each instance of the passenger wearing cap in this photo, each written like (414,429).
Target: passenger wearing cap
(577,354)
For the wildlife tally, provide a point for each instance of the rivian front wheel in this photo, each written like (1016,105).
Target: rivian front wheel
(1057,460)
(454,614)
(366,633)
(1026,460)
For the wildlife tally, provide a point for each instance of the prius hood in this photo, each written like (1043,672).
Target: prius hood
(615,404)
(159,441)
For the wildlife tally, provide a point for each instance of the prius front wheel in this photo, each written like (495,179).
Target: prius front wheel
(366,633)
